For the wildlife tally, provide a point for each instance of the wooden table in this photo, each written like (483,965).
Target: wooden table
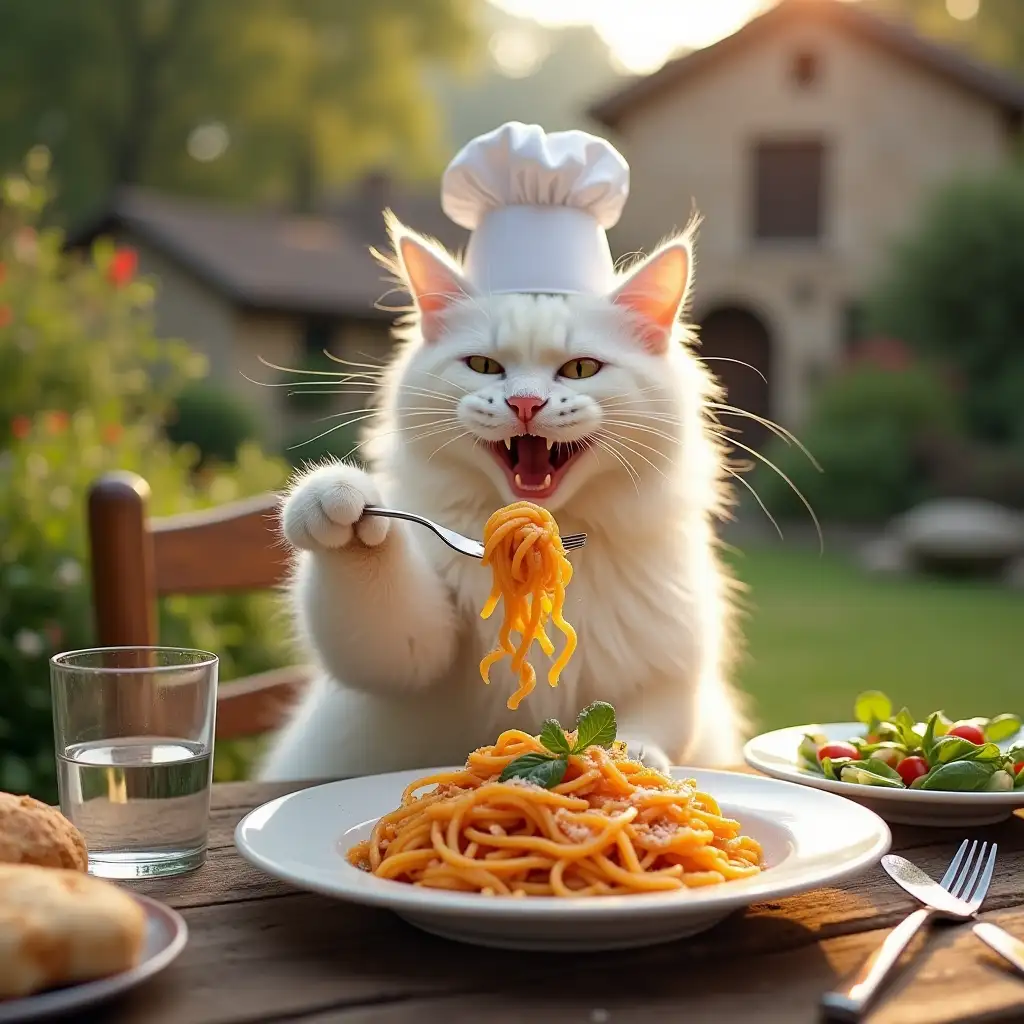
(260,950)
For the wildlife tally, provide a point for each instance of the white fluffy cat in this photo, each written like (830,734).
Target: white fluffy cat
(480,388)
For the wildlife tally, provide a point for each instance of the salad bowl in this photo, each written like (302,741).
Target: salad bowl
(935,773)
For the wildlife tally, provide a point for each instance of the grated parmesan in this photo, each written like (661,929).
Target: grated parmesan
(524,783)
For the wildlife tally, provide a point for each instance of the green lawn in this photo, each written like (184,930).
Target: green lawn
(819,631)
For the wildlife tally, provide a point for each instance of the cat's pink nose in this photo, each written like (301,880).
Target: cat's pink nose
(526,406)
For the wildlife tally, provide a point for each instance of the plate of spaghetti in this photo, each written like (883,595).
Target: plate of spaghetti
(561,842)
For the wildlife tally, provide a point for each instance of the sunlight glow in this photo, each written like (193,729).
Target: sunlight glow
(643,34)
(963,10)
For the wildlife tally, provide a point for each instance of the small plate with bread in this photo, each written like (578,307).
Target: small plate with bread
(69,940)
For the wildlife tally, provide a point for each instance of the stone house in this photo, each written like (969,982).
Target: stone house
(244,285)
(807,140)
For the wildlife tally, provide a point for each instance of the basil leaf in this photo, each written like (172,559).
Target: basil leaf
(552,735)
(867,777)
(595,727)
(807,752)
(1002,727)
(541,770)
(955,748)
(872,707)
(1015,753)
(879,767)
(905,723)
(830,767)
(867,749)
(931,733)
(959,777)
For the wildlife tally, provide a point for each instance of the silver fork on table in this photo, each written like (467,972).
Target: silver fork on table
(457,541)
(958,897)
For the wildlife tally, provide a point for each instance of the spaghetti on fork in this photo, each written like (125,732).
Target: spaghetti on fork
(530,570)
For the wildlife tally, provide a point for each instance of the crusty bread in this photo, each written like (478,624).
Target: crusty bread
(59,927)
(35,833)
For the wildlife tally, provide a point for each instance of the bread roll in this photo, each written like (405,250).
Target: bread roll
(35,833)
(59,927)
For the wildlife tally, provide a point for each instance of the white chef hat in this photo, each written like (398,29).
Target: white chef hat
(537,205)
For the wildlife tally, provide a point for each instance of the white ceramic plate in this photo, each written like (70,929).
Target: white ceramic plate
(775,754)
(810,839)
(166,935)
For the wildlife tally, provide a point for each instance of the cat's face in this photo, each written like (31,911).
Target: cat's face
(542,394)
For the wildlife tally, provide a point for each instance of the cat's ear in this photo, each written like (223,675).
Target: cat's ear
(656,292)
(431,275)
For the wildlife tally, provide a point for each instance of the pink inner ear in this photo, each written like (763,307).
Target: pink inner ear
(656,292)
(434,284)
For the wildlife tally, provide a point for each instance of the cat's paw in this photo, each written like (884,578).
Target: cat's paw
(649,754)
(325,510)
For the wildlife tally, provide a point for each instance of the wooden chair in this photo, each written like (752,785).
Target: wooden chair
(135,560)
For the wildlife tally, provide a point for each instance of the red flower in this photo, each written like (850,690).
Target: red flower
(21,427)
(122,267)
(112,433)
(6,316)
(57,422)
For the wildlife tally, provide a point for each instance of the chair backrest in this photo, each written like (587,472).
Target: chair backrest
(135,560)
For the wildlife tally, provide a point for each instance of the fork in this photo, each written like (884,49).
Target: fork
(457,541)
(963,892)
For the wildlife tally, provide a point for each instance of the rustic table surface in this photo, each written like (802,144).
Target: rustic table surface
(260,950)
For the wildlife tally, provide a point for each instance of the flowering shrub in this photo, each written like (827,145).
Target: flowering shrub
(85,387)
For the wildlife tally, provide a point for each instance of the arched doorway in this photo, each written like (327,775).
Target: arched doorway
(737,347)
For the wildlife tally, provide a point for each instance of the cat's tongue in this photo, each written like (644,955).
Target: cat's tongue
(532,465)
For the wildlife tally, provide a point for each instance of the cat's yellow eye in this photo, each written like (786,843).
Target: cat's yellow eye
(578,369)
(484,364)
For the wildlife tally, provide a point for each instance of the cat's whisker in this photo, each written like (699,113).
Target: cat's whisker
(777,429)
(738,362)
(796,490)
(632,440)
(448,442)
(634,479)
(670,421)
(757,498)
(433,433)
(614,439)
(643,428)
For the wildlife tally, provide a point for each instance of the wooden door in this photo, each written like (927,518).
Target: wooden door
(736,345)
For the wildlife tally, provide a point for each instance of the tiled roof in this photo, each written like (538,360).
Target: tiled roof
(270,259)
(1001,89)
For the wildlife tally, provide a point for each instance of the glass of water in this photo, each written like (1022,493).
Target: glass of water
(134,737)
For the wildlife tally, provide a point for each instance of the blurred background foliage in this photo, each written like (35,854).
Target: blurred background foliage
(85,387)
(309,92)
(929,405)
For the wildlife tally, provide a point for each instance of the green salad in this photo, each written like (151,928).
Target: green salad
(899,752)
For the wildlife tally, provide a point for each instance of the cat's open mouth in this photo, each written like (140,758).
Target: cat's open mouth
(533,464)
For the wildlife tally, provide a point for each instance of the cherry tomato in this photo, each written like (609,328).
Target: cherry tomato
(911,768)
(1018,768)
(968,732)
(835,750)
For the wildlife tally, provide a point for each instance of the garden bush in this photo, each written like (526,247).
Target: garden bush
(953,291)
(864,430)
(214,419)
(87,387)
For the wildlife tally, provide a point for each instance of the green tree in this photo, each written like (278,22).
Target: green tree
(305,93)
(953,291)
(86,387)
